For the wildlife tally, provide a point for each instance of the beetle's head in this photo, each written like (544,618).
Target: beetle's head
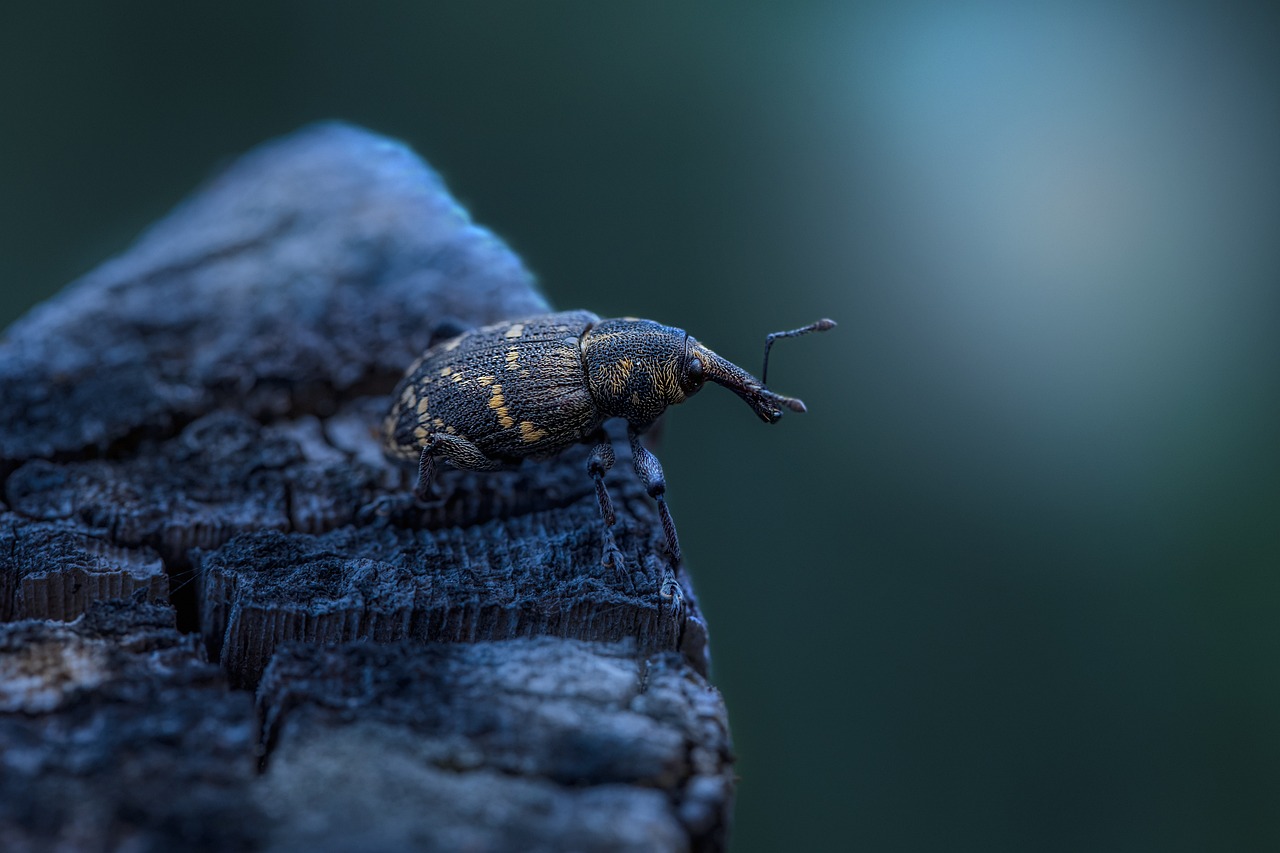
(636,368)
(769,405)
(702,364)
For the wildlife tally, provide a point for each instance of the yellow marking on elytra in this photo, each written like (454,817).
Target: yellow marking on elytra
(451,345)
(422,406)
(408,395)
(420,433)
(513,357)
(437,423)
(499,404)
(530,433)
(487,380)
(515,331)
(457,377)
(446,370)
(450,430)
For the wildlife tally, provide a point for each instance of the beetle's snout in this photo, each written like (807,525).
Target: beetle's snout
(765,403)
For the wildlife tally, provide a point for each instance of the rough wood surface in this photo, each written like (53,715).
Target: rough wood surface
(196,419)
(116,735)
(519,745)
(50,571)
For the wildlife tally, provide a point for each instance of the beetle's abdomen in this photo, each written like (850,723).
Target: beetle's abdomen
(514,389)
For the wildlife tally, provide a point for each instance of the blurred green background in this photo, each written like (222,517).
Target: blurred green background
(1014,582)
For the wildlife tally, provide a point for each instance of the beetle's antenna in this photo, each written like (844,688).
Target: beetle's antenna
(820,326)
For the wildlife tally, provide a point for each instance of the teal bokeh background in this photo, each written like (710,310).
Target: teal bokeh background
(1013,583)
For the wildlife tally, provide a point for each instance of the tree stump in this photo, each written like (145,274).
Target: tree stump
(191,473)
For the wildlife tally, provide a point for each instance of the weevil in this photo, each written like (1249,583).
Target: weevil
(527,389)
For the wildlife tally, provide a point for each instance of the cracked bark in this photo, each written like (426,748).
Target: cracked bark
(191,473)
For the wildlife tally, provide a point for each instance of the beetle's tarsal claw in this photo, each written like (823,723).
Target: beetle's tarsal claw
(794,405)
(672,594)
(611,556)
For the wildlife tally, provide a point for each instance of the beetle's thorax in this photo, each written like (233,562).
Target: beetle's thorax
(633,368)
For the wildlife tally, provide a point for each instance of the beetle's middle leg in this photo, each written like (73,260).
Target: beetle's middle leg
(600,461)
(650,471)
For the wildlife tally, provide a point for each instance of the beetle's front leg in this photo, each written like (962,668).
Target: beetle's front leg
(600,461)
(650,471)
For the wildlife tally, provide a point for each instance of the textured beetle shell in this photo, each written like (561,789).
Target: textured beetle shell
(633,368)
(516,389)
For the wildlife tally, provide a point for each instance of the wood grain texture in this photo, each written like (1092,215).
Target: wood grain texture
(198,419)
(54,571)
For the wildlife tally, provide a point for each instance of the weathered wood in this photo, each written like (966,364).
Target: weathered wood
(540,744)
(116,735)
(207,405)
(497,580)
(51,571)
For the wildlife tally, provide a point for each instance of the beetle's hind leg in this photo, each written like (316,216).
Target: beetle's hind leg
(599,462)
(463,453)
(426,474)
(398,503)
(458,450)
(650,471)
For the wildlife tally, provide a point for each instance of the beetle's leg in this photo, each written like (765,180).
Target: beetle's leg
(463,453)
(650,471)
(426,472)
(458,450)
(600,461)
(387,506)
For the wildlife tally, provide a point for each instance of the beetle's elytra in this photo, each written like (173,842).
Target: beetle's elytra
(496,395)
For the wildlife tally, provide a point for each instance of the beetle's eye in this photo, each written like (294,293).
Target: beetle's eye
(694,373)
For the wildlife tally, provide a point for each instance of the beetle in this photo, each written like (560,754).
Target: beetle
(489,398)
